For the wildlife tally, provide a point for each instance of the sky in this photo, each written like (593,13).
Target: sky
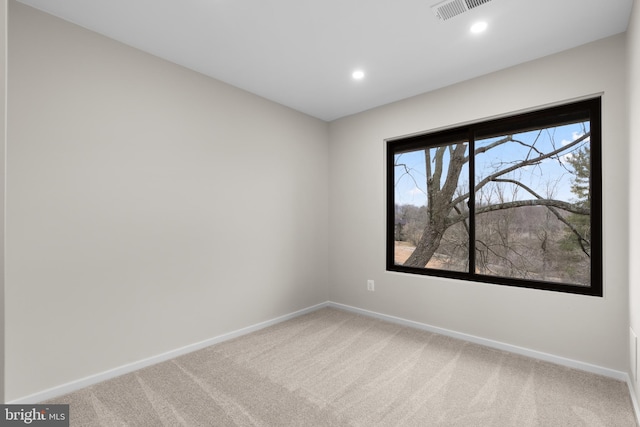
(550,178)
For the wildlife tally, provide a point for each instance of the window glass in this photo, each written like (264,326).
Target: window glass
(432,194)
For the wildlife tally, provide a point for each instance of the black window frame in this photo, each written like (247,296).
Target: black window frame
(512,124)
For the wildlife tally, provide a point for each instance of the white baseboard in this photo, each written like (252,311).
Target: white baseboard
(116,372)
(618,375)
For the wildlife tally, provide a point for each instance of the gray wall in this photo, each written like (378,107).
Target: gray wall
(633,49)
(3,134)
(148,207)
(588,329)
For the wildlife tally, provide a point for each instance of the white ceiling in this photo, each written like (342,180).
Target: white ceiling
(301,53)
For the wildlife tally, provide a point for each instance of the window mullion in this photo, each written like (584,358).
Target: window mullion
(471,203)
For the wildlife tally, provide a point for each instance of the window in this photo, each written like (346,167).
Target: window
(514,201)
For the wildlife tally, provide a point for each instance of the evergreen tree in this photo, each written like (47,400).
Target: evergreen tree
(580,239)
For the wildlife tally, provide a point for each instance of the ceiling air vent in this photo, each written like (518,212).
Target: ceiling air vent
(475,3)
(450,8)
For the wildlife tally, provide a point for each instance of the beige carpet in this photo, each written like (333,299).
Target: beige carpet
(334,368)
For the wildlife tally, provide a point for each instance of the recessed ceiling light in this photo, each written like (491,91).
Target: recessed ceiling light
(478,27)
(358,75)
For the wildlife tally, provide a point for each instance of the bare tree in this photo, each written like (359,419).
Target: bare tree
(447,205)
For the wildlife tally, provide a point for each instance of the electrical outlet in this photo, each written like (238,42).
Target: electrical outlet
(370,286)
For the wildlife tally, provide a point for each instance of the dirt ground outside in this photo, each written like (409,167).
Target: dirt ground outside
(403,251)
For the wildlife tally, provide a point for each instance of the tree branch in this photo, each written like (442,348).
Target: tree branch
(569,207)
(523,163)
(530,162)
(555,212)
(407,171)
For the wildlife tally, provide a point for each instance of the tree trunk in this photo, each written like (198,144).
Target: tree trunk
(439,201)
(427,246)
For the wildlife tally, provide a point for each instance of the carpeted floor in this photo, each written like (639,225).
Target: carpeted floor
(335,368)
